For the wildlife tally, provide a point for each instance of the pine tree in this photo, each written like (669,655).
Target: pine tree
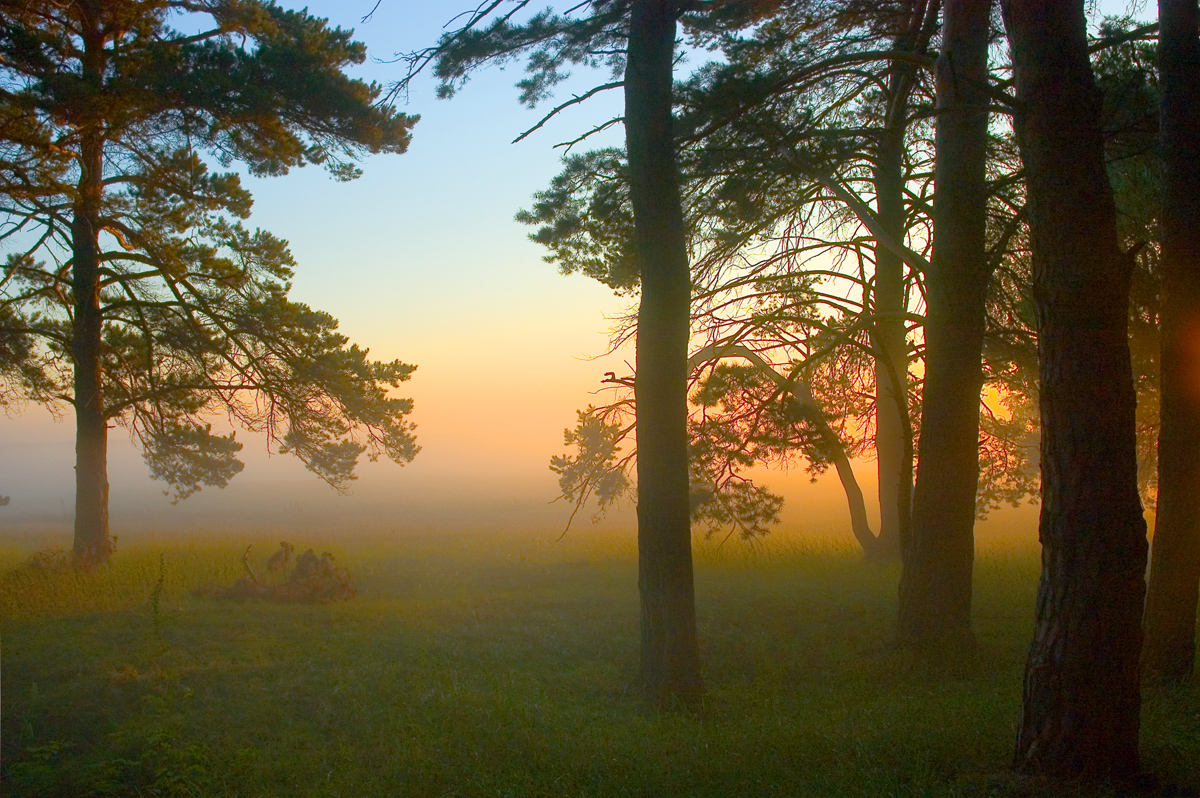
(635,41)
(153,306)
(1175,558)
(1081,698)
(935,584)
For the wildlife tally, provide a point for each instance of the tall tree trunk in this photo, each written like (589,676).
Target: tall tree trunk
(935,583)
(670,651)
(92,542)
(890,341)
(1175,557)
(1081,698)
(915,23)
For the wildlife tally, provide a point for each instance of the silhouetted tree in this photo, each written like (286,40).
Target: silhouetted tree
(670,653)
(153,305)
(636,41)
(935,583)
(1170,622)
(1081,697)
(778,147)
(894,430)
(747,192)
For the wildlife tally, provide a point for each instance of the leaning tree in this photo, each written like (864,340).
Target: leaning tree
(778,146)
(134,293)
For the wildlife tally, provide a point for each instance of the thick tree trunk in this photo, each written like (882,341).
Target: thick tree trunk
(935,583)
(670,651)
(1170,648)
(1081,698)
(891,346)
(92,542)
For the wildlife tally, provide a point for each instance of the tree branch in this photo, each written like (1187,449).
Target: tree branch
(575,100)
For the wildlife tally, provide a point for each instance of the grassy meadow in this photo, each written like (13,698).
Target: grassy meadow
(503,665)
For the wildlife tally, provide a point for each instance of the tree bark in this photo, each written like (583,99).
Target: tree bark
(890,341)
(670,651)
(92,541)
(1170,622)
(893,427)
(935,583)
(1081,699)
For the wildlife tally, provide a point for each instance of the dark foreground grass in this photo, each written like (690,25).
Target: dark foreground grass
(488,666)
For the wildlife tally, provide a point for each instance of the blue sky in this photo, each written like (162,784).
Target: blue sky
(421,260)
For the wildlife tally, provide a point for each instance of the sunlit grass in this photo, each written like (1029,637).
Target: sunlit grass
(504,665)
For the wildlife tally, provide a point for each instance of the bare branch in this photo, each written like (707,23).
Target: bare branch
(616,120)
(575,100)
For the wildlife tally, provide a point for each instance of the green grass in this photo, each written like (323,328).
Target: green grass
(503,666)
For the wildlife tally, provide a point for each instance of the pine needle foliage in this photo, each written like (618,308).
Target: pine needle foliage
(130,266)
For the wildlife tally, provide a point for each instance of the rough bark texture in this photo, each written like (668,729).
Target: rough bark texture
(670,652)
(935,583)
(1081,698)
(1170,622)
(92,542)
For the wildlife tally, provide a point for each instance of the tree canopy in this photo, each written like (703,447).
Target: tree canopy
(134,292)
(784,264)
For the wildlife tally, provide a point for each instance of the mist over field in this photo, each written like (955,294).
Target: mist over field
(305,498)
(455,488)
(504,346)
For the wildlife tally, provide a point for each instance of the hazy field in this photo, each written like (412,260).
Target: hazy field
(502,664)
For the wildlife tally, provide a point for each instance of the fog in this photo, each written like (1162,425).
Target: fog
(458,483)
(441,277)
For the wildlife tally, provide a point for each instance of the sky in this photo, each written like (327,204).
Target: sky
(420,259)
